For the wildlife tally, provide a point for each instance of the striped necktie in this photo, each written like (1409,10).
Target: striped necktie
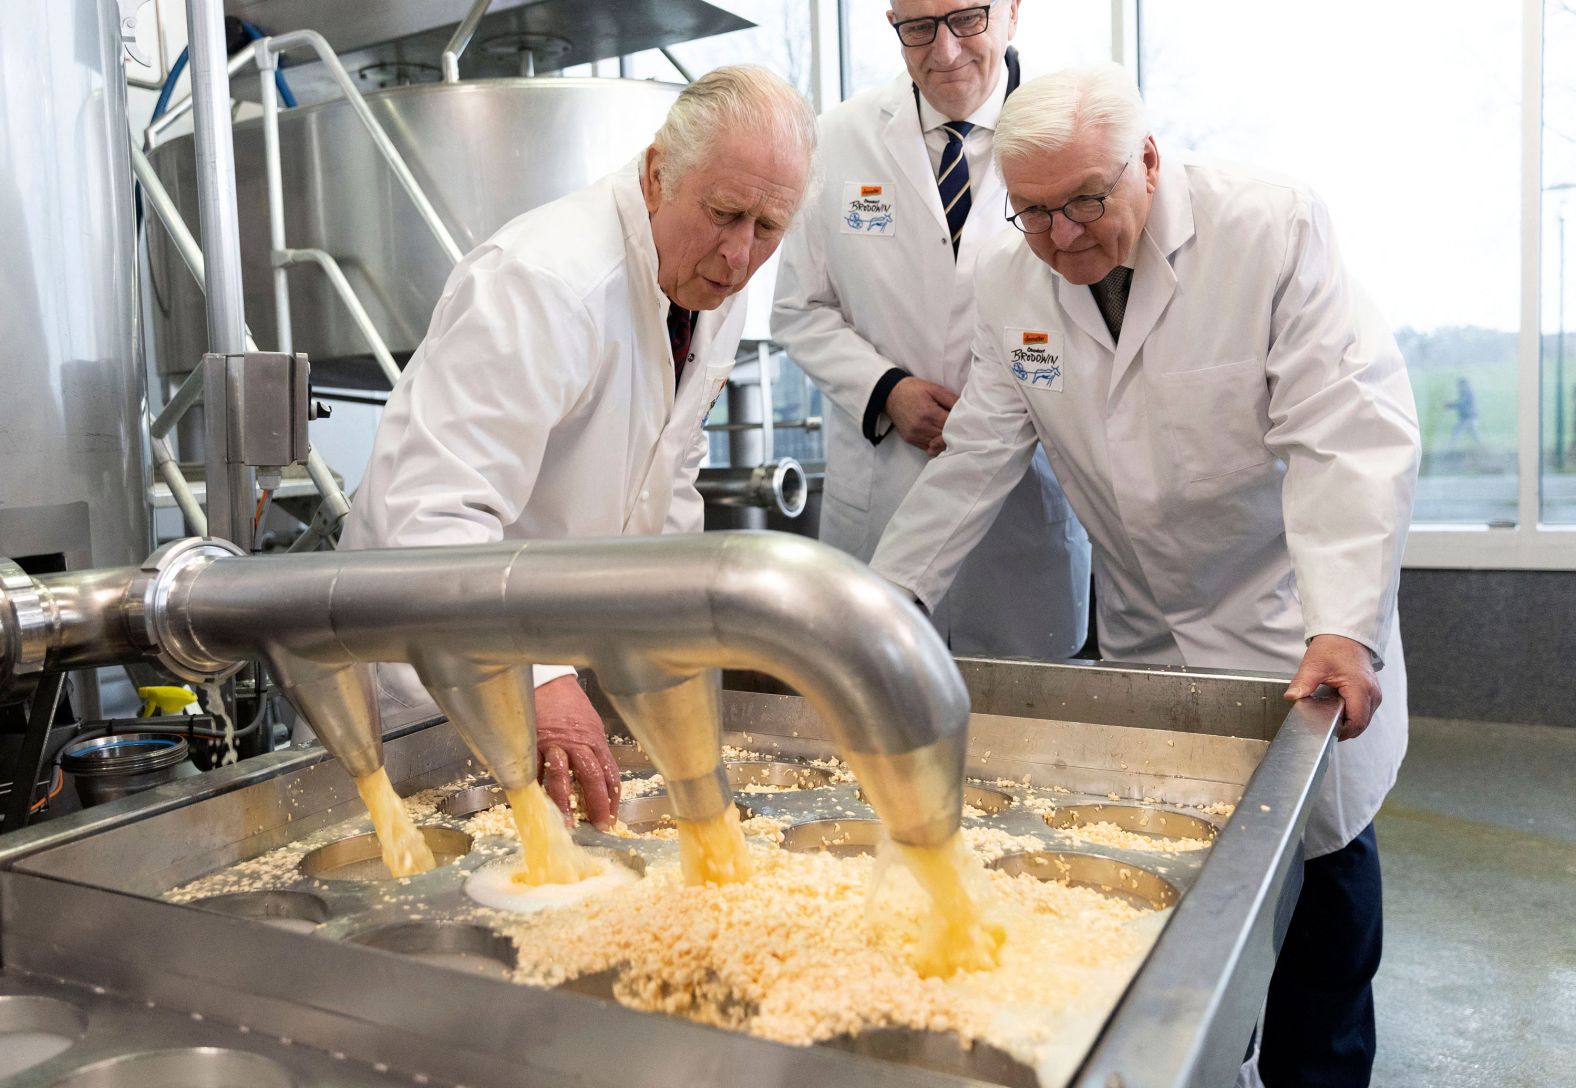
(952,178)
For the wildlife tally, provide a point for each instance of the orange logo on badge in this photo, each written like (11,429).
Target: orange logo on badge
(1036,338)
(870,190)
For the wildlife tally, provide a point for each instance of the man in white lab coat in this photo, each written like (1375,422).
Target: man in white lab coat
(875,301)
(571,361)
(1237,432)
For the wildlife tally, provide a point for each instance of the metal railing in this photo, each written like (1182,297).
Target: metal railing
(335,506)
(265,53)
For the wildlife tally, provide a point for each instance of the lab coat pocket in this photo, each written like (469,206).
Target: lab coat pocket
(850,465)
(1217,417)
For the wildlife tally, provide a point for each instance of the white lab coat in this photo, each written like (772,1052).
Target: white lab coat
(1244,460)
(541,404)
(851,305)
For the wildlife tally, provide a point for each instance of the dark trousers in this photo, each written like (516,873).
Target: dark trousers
(1319,1019)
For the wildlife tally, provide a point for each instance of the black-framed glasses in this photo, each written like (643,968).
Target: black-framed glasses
(964,23)
(1080,209)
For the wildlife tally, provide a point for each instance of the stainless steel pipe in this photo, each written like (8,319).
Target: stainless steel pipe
(777,485)
(231,488)
(461,39)
(655,617)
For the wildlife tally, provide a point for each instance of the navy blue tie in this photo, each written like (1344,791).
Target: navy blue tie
(952,178)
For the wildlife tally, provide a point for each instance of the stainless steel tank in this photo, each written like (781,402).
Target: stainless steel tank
(73,490)
(483,151)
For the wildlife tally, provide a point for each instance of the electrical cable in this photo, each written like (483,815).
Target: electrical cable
(59,780)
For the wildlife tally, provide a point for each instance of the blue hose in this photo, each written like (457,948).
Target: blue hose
(169,86)
(286,98)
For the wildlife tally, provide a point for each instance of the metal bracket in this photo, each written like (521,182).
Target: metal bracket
(128,31)
(267,400)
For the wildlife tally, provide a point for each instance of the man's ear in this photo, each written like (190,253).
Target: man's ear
(1151,163)
(650,186)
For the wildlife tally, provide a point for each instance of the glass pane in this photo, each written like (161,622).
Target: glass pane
(780,40)
(1559,273)
(1415,146)
(1051,34)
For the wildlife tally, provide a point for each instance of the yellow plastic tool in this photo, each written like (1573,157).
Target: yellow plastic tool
(164,700)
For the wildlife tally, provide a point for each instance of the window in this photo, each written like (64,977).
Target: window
(1405,117)
(780,40)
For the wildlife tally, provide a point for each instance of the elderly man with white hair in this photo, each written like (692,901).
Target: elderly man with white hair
(572,358)
(1233,424)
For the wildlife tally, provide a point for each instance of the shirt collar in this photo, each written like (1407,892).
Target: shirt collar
(930,118)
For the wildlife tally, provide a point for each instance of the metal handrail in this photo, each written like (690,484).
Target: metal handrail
(277,46)
(190,391)
(287,258)
(461,40)
(155,130)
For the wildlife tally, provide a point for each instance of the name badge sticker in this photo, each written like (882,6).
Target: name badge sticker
(867,209)
(1035,357)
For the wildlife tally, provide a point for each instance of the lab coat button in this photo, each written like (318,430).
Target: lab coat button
(644,495)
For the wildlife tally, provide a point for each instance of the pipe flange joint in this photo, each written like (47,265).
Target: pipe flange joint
(153,610)
(26,626)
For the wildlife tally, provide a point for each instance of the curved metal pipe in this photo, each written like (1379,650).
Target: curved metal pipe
(655,617)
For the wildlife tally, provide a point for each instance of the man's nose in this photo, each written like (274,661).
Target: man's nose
(1064,231)
(735,246)
(945,49)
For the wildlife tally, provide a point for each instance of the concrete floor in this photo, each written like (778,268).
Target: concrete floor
(1478,844)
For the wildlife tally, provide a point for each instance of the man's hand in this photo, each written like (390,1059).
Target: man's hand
(570,739)
(1347,666)
(918,410)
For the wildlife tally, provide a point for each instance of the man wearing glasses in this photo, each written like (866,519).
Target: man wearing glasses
(875,300)
(1233,423)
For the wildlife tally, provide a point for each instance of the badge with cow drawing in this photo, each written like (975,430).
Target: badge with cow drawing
(868,209)
(1035,357)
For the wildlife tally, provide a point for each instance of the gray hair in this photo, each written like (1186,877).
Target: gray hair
(743,97)
(1047,113)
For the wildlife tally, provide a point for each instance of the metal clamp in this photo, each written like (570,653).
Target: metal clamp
(24,623)
(128,31)
(150,608)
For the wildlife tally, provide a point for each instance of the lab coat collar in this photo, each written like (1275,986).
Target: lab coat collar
(639,246)
(651,322)
(1169,227)
(905,143)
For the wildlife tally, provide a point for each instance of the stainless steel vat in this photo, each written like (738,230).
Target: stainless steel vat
(484,152)
(72,483)
(73,907)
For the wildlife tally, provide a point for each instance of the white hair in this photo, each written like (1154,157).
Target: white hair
(740,97)
(1047,113)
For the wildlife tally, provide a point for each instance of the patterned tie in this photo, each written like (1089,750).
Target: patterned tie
(952,178)
(681,327)
(1110,295)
